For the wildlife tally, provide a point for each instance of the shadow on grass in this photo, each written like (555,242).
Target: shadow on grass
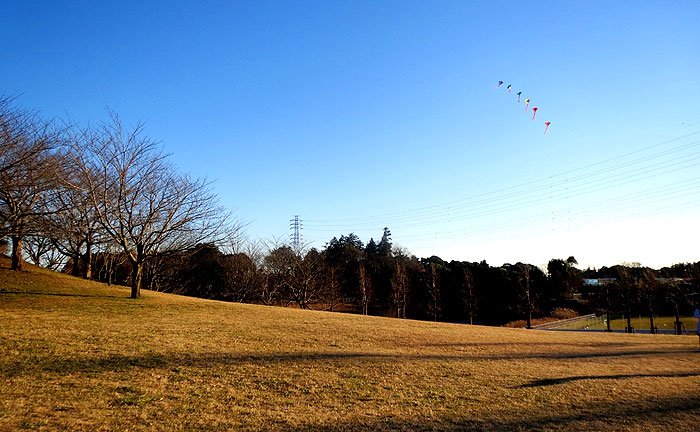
(34,293)
(554,381)
(118,362)
(532,344)
(672,413)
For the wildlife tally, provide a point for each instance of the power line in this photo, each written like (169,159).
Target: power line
(580,183)
(512,191)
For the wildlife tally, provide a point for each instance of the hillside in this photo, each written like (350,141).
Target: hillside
(77,355)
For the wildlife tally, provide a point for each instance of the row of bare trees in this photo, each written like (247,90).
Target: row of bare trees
(70,192)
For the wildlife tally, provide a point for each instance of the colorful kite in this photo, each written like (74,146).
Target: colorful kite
(527,104)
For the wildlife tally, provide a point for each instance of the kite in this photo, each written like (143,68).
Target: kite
(509,87)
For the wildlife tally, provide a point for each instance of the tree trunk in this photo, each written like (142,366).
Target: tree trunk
(76,265)
(17,252)
(529,310)
(88,260)
(110,270)
(607,319)
(136,275)
(629,320)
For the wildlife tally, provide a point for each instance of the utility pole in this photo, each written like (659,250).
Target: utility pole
(295,236)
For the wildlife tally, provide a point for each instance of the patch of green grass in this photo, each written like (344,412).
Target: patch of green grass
(617,322)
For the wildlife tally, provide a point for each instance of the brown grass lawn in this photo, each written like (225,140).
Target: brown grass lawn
(77,355)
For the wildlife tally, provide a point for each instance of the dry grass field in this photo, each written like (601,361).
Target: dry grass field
(78,355)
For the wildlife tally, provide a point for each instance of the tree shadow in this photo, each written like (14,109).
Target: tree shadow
(543,344)
(554,381)
(119,362)
(642,414)
(34,293)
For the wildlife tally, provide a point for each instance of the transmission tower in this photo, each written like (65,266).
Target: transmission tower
(295,236)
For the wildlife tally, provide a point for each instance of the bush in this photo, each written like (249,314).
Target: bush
(564,313)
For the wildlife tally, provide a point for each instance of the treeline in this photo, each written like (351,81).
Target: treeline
(104,203)
(378,279)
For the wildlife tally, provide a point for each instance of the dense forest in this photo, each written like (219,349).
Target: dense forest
(104,203)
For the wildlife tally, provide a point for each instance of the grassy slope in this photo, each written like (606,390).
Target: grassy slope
(78,355)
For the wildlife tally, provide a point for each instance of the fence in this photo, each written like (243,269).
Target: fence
(618,323)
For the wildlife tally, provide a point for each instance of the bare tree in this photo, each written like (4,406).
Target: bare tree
(75,230)
(468,293)
(141,202)
(331,290)
(295,276)
(525,286)
(28,172)
(241,276)
(37,247)
(365,285)
(108,259)
(399,289)
(433,278)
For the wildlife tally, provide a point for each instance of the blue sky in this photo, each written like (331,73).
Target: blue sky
(365,114)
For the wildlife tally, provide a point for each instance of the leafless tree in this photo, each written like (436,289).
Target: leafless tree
(75,230)
(242,278)
(525,286)
(141,202)
(468,293)
(399,289)
(365,287)
(42,252)
(28,173)
(433,278)
(331,289)
(108,260)
(295,276)
(37,247)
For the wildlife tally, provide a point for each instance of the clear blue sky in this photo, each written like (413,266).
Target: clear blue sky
(363,114)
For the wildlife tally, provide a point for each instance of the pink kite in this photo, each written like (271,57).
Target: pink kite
(499,84)
(527,103)
(534,112)
(546,126)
